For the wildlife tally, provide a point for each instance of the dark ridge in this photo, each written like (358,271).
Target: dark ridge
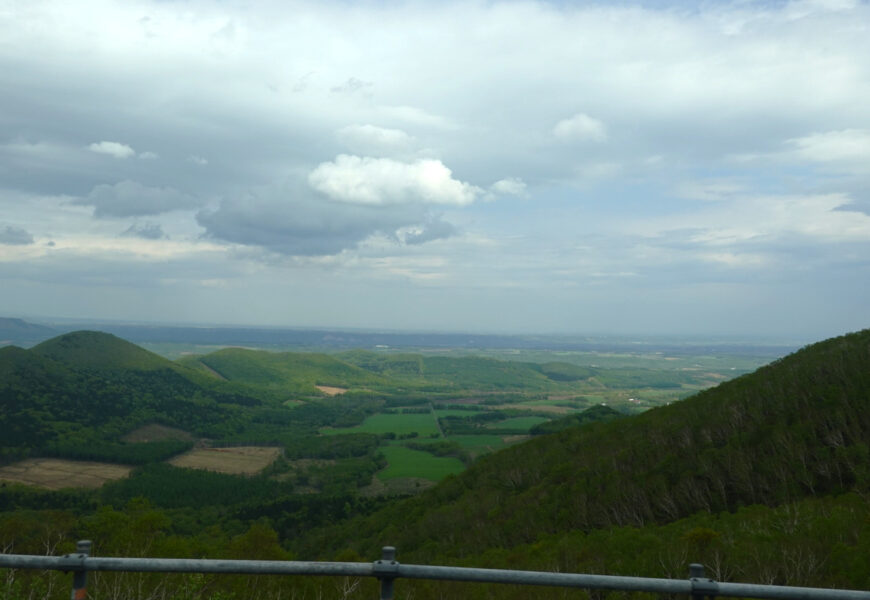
(796,428)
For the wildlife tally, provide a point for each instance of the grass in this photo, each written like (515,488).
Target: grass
(519,423)
(404,462)
(400,424)
(479,444)
(450,412)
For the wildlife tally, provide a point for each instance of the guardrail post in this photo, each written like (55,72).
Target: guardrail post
(386,570)
(702,587)
(80,576)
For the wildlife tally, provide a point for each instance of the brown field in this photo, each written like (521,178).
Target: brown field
(331,390)
(55,474)
(156,433)
(240,460)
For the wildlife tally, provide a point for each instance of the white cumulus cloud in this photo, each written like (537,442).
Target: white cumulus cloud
(512,186)
(115,149)
(383,181)
(581,127)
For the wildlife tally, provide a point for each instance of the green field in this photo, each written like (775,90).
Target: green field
(479,444)
(404,462)
(452,412)
(400,424)
(518,423)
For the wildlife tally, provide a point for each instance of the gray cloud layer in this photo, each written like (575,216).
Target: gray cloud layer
(14,236)
(572,154)
(296,221)
(130,199)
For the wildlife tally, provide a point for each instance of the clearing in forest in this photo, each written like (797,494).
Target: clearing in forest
(156,433)
(330,390)
(55,473)
(239,460)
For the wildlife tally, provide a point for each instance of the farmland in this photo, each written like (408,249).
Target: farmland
(56,474)
(240,460)
(399,424)
(314,422)
(404,462)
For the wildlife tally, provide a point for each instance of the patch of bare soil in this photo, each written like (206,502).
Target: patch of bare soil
(239,460)
(331,390)
(55,473)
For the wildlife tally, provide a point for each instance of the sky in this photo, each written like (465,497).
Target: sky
(518,167)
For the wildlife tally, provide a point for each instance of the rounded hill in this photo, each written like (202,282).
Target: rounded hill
(98,350)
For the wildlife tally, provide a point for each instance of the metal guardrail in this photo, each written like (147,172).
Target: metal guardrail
(387,570)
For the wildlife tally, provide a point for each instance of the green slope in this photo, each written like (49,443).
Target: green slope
(97,350)
(287,370)
(467,372)
(796,428)
(81,392)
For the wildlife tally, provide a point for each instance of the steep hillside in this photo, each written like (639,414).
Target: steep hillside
(83,391)
(97,350)
(799,427)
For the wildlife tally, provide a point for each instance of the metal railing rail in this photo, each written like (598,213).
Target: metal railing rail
(387,570)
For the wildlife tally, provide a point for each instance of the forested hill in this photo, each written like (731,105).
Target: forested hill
(77,394)
(102,351)
(796,428)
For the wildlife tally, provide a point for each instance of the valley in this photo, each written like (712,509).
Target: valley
(608,466)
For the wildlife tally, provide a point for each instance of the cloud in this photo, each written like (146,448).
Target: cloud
(15,236)
(370,139)
(579,102)
(148,155)
(130,199)
(512,186)
(198,160)
(414,115)
(298,222)
(764,221)
(114,149)
(148,231)
(847,145)
(709,191)
(430,231)
(383,181)
(582,128)
(351,85)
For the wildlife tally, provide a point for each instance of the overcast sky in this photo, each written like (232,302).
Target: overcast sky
(662,167)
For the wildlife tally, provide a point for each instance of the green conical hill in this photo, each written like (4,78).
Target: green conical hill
(797,428)
(87,387)
(98,350)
